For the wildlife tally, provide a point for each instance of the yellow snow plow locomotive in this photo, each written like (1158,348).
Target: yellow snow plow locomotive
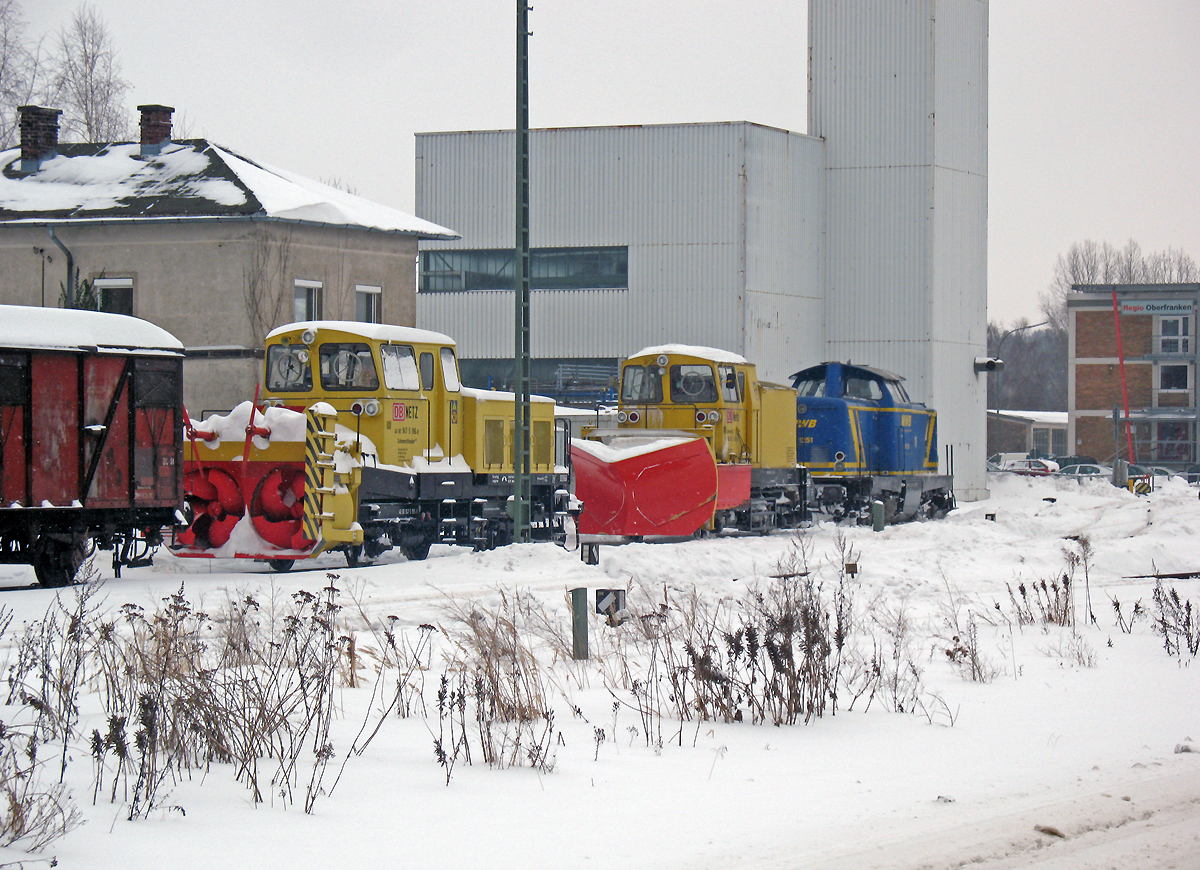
(363,440)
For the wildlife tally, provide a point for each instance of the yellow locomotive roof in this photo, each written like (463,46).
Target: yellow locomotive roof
(370,331)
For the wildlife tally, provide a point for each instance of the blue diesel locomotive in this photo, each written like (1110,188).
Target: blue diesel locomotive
(862,439)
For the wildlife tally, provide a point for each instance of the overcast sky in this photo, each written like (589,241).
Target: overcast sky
(1094,104)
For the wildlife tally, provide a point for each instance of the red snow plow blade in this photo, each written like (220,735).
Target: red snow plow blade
(643,485)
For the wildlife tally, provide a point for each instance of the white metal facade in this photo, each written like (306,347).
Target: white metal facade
(898,90)
(722,223)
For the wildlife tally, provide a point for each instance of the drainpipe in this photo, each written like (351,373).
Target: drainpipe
(70,268)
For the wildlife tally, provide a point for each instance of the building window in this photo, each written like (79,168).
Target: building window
(114,295)
(1174,335)
(1173,377)
(447,271)
(366,303)
(307,301)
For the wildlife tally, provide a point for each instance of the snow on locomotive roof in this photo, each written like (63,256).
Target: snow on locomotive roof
(74,329)
(373,331)
(710,353)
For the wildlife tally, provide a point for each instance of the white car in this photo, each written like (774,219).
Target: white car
(1035,467)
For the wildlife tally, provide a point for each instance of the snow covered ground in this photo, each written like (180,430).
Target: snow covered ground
(1069,757)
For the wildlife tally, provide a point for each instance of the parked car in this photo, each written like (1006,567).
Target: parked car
(1064,461)
(1193,473)
(1085,471)
(1035,467)
(1162,473)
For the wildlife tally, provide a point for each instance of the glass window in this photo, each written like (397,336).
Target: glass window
(595,268)
(899,394)
(348,366)
(1173,377)
(691,384)
(641,385)
(427,371)
(863,388)
(450,370)
(1174,334)
(307,300)
(114,295)
(288,369)
(366,303)
(729,384)
(811,388)
(399,367)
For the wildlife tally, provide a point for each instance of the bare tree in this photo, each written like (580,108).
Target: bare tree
(1089,262)
(22,70)
(267,297)
(88,86)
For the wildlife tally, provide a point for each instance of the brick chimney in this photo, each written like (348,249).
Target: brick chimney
(39,136)
(156,128)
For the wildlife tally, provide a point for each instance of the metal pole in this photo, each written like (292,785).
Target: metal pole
(522,488)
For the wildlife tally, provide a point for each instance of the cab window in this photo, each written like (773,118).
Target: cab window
(863,388)
(450,371)
(692,383)
(811,388)
(348,366)
(899,394)
(731,388)
(288,369)
(641,385)
(427,371)
(399,367)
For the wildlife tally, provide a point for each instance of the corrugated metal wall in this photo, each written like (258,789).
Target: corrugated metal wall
(710,214)
(899,91)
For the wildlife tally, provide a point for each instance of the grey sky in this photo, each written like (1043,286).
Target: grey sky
(1094,104)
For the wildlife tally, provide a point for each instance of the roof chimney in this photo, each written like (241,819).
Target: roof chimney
(39,136)
(156,128)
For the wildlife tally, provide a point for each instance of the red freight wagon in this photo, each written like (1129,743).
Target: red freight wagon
(91,410)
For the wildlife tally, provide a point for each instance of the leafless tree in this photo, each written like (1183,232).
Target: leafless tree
(267,296)
(1090,262)
(22,70)
(88,86)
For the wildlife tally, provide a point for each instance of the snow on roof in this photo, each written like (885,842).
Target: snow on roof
(188,179)
(72,329)
(372,331)
(709,353)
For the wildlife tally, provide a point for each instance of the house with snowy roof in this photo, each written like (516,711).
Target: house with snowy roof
(207,243)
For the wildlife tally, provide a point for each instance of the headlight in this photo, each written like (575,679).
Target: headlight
(714,416)
(302,355)
(372,407)
(622,417)
(634,416)
(308,336)
(663,359)
(701,416)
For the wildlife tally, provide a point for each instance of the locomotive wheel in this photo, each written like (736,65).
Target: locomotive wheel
(359,556)
(281,565)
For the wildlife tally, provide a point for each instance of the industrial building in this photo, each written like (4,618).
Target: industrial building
(1132,357)
(863,239)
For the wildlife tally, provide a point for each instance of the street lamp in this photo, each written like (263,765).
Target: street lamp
(1000,346)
